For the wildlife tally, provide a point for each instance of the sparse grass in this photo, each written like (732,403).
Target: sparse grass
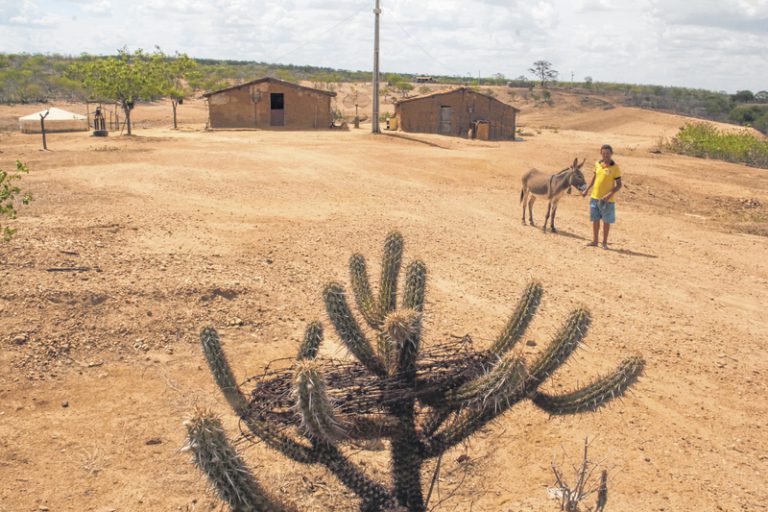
(704,140)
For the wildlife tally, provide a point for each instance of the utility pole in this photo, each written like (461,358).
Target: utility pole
(375,124)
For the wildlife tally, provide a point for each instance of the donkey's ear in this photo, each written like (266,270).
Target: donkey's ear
(575,162)
(582,161)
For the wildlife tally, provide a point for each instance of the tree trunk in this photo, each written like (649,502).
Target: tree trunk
(127,111)
(174,104)
(42,128)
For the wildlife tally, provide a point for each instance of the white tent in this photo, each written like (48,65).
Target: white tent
(57,120)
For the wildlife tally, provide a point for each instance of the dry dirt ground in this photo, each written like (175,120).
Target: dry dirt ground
(241,229)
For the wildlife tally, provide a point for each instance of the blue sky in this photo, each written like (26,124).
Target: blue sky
(716,45)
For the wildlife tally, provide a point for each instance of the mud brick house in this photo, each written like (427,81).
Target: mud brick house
(269,103)
(459,112)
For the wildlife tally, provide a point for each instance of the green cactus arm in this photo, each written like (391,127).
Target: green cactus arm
(313,336)
(227,473)
(225,379)
(361,288)
(562,346)
(316,410)
(493,389)
(465,423)
(489,396)
(375,497)
(415,286)
(348,329)
(594,395)
(390,268)
(518,322)
(403,334)
(221,370)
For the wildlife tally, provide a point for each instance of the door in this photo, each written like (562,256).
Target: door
(276,109)
(445,119)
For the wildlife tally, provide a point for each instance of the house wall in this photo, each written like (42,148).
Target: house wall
(236,108)
(422,115)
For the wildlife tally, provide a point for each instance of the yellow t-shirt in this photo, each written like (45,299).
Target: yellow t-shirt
(605,176)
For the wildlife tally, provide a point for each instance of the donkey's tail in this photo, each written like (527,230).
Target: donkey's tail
(522,194)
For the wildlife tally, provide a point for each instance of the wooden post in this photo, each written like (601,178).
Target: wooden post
(42,127)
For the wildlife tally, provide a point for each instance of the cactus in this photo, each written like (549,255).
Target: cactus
(423,399)
(230,478)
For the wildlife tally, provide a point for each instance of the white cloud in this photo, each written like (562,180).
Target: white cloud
(98,7)
(26,14)
(708,43)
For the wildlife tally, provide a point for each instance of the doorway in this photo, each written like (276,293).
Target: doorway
(445,120)
(277,109)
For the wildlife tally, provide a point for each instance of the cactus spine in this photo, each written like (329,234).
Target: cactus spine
(423,401)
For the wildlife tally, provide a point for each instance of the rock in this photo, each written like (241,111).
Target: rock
(20,339)
(530,343)
(153,440)
(65,404)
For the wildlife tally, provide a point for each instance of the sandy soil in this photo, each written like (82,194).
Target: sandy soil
(241,230)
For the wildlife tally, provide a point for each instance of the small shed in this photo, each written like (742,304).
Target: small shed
(457,112)
(269,103)
(57,120)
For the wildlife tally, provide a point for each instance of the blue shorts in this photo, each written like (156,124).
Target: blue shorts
(602,210)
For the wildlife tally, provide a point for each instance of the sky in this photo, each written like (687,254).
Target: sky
(719,45)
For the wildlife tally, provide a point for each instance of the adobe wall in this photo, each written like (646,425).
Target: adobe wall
(236,108)
(423,115)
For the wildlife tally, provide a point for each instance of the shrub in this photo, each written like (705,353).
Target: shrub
(8,194)
(704,140)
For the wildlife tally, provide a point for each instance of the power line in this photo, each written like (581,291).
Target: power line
(311,39)
(421,47)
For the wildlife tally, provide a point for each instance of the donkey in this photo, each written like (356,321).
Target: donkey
(536,183)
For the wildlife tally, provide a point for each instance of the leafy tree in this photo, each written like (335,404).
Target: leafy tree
(177,73)
(404,88)
(126,78)
(588,82)
(8,193)
(399,84)
(393,78)
(743,96)
(761,96)
(543,70)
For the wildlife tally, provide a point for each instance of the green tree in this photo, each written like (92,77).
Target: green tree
(761,96)
(9,192)
(543,70)
(177,73)
(743,96)
(125,78)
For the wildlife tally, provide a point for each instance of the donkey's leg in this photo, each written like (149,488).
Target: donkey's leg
(531,200)
(549,209)
(525,195)
(554,211)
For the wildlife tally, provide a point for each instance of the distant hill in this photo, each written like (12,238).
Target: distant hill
(35,78)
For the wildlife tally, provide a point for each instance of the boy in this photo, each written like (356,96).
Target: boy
(602,205)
